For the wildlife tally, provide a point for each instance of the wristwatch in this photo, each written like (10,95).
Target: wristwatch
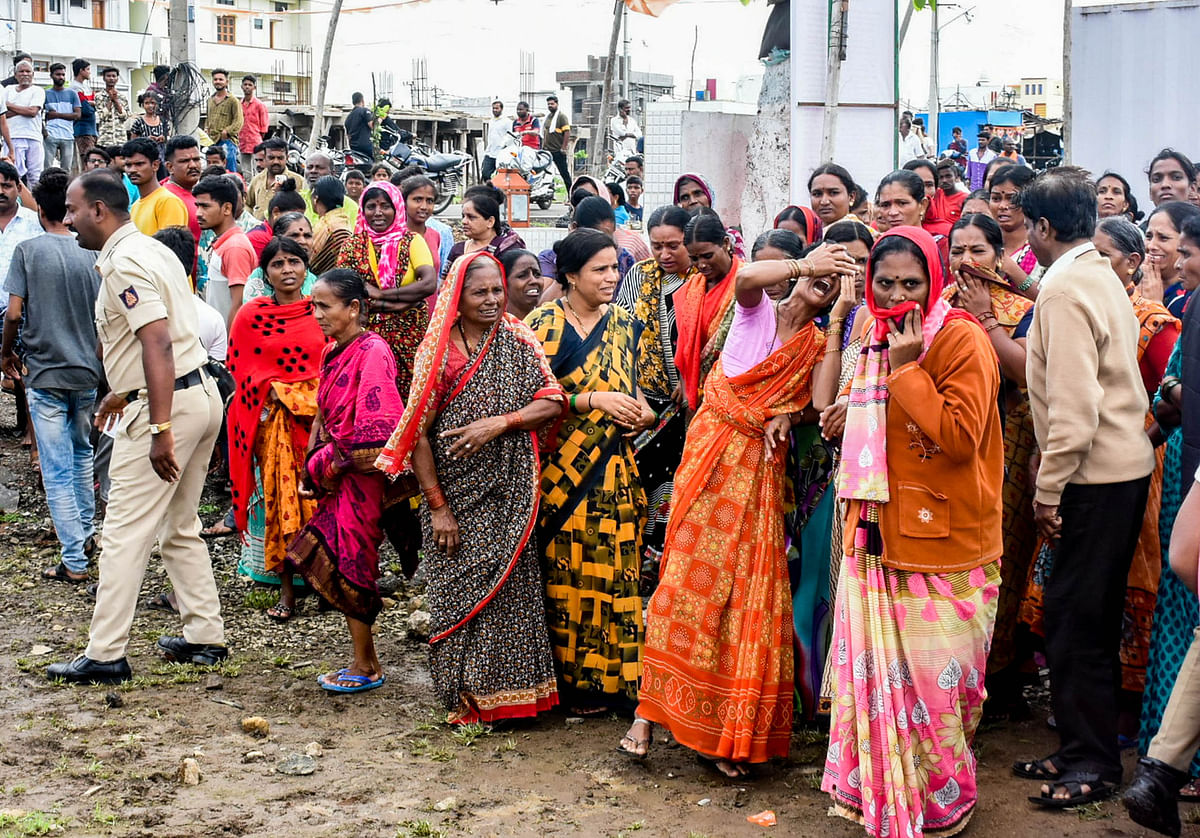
(155,430)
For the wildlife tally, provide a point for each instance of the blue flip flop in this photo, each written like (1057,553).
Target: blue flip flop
(362,682)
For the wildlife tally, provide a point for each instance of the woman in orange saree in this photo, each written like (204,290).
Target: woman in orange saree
(717,667)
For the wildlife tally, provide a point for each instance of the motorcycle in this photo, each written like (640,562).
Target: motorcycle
(535,165)
(447,171)
(298,151)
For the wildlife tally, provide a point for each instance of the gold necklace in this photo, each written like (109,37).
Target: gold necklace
(578,319)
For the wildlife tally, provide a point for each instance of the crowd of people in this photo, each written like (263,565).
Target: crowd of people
(882,463)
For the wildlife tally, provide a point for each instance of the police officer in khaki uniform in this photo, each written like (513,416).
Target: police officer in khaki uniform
(168,413)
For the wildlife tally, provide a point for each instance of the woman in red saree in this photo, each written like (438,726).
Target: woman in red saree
(482,388)
(717,669)
(704,303)
(275,349)
(337,552)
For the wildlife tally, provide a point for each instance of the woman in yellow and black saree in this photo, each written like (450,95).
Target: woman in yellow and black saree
(593,508)
(481,389)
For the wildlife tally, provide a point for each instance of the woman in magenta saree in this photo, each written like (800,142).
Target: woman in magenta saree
(358,405)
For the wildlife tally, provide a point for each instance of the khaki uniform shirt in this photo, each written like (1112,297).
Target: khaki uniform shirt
(142,281)
(259,193)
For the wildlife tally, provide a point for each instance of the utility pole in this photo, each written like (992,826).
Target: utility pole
(934,104)
(16,6)
(181,31)
(319,109)
(840,12)
(625,64)
(598,146)
(1067,105)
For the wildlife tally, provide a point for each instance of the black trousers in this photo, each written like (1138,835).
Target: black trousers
(1084,603)
(487,170)
(560,160)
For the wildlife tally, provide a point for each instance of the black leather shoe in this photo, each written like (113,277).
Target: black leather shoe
(1150,798)
(178,650)
(84,670)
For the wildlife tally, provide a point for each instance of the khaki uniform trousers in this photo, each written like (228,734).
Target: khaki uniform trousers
(142,507)
(1178,736)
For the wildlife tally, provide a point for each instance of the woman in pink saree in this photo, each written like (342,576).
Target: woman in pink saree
(358,405)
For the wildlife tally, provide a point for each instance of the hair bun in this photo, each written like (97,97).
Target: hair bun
(288,185)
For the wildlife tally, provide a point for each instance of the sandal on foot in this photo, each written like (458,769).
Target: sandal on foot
(162,602)
(217,530)
(1190,793)
(89,547)
(1035,769)
(640,747)
(361,683)
(60,573)
(281,613)
(1073,782)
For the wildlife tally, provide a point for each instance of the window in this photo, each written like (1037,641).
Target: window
(258,23)
(225,2)
(79,4)
(1039,90)
(281,86)
(1027,89)
(226,29)
(54,7)
(281,7)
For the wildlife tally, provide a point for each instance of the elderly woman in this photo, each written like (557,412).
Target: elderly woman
(275,348)
(483,389)
(398,268)
(593,508)
(693,191)
(337,551)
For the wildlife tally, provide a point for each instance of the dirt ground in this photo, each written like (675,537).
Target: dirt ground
(105,761)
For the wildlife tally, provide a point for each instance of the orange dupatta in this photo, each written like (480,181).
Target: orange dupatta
(698,315)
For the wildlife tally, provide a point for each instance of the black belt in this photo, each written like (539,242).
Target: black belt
(182,383)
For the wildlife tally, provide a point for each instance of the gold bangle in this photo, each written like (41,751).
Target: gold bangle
(793,268)
(809,269)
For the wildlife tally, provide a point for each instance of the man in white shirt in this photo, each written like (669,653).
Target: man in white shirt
(24,102)
(498,129)
(624,130)
(977,160)
(910,144)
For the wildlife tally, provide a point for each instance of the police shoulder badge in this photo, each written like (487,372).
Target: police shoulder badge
(129,297)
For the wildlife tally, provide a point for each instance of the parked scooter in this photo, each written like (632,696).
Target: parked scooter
(535,165)
(447,171)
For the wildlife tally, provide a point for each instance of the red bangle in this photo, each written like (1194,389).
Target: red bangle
(434,496)
(513,420)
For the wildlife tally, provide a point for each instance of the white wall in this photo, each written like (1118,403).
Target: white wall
(1156,87)
(866,127)
(710,140)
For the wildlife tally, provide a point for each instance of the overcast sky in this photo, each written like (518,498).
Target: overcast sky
(472,47)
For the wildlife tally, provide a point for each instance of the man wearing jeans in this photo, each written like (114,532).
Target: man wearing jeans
(62,111)
(52,281)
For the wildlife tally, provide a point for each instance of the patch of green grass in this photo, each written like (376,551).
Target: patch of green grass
(17,790)
(440,754)
(1094,811)
(419,747)
(209,509)
(466,735)
(31,823)
(9,517)
(633,827)
(261,598)
(281,661)
(26,665)
(419,829)
(102,816)
(509,746)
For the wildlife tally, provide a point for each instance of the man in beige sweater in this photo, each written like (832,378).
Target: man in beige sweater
(1089,407)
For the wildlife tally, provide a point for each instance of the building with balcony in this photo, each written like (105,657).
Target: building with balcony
(101,31)
(270,39)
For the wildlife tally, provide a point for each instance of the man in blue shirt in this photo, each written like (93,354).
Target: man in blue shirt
(62,111)
(85,126)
